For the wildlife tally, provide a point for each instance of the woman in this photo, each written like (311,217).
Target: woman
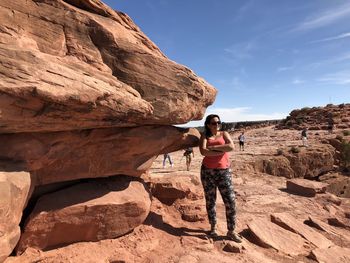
(215,173)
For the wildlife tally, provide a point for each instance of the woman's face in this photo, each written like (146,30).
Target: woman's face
(214,124)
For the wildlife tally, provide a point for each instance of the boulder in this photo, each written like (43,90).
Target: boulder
(232,247)
(15,189)
(95,210)
(71,155)
(193,213)
(169,189)
(68,65)
(305,187)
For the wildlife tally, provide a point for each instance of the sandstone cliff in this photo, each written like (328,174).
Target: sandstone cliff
(84,94)
(69,65)
(318,118)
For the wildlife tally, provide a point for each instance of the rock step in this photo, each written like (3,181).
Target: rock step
(306,187)
(288,222)
(99,209)
(333,254)
(270,235)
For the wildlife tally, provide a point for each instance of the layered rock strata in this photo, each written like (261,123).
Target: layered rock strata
(318,118)
(15,189)
(84,94)
(303,162)
(70,155)
(66,66)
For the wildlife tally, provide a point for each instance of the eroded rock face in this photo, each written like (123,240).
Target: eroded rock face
(69,65)
(318,118)
(14,192)
(100,209)
(65,156)
(306,163)
(85,94)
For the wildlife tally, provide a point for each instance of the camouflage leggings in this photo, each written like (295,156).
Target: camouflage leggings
(219,178)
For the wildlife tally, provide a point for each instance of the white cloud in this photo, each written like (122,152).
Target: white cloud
(242,11)
(341,36)
(280,69)
(236,114)
(324,19)
(338,78)
(297,81)
(333,60)
(241,51)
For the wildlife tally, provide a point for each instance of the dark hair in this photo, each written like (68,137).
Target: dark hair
(207,131)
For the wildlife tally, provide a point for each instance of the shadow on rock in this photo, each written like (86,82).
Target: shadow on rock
(156,221)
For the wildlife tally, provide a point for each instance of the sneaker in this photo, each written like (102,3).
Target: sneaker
(212,232)
(234,237)
(172,165)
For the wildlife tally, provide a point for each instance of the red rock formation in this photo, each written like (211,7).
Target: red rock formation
(71,155)
(84,94)
(306,162)
(69,65)
(15,190)
(99,209)
(306,187)
(318,118)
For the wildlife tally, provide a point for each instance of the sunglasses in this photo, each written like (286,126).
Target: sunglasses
(215,123)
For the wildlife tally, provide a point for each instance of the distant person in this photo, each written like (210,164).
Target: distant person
(304,137)
(166,156)
(188,155)
(330,126)
(215,173)
(241,139)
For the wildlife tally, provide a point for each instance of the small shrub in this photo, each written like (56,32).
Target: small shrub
(294,149)
(279,151)
(305,109)
(345,155)
(346,133)
(339,137)
(299,120)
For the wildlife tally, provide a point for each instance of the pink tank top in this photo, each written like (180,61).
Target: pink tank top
(216,162)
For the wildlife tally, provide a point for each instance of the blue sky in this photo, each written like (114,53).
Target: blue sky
(265,57)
